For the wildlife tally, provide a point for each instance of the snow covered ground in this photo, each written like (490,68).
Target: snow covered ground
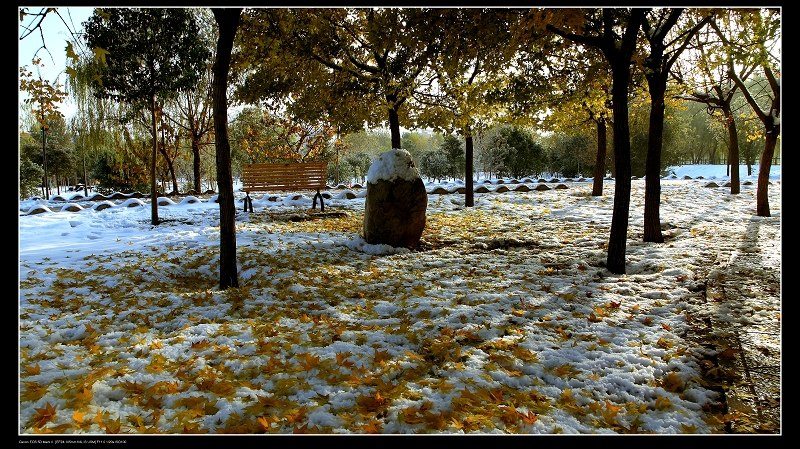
(504,321)
(709,171)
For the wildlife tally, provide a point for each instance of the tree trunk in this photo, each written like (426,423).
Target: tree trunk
(58,184)
(44,162)
(749,168)
(762,197)
(394,122)
(657,85)
(615,262)
(153,154)
(613,159)
(85,181)
(227,21)
(196,163)
(600,160)
(170,166)
(733,149)
(336,147)
(469,195)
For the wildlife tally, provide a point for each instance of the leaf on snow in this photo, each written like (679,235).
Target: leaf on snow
(43,415)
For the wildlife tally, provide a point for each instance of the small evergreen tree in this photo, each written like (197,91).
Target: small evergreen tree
(30,177)
(454,153)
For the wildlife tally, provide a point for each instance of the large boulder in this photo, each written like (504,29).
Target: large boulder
(394,211)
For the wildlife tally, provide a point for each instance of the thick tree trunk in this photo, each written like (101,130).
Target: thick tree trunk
(600,160)
(227,21)
(153,154)
(469,195)
(733,149)
(762,195)
(394,127)
(657,85)
(617,241)
(196,163)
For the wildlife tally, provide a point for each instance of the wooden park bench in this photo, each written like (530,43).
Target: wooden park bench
(284,177)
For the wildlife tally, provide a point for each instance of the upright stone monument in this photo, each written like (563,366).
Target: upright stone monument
(394,213)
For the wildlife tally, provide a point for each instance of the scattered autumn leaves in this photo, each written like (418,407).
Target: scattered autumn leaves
(271,358)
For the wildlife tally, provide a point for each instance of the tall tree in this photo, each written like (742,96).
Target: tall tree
(281,78)
(476,48)
(380,50)
(580,96)
(44,97)
(657,26)
(757,45)
(714,88)
(149,55)
(170,140)
(227,23)
(192,113)
(613,32)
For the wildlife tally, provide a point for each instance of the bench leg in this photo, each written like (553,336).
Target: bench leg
(248,202)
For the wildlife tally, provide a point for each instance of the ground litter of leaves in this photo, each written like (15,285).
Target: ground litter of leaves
(504,321)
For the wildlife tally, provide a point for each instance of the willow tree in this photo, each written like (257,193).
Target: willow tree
(613,32)
(147,56)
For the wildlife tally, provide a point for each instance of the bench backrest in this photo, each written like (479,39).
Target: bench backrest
(288,176)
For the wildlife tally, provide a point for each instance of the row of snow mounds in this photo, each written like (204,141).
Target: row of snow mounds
(531,180)
(439,190)
(728,184)
(120,196)
(687,177)
(164,201)
(97,197)
(344,186)
(105,204)
(192,192)
(714,184)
